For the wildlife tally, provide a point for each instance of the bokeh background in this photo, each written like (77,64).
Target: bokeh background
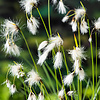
(10,9)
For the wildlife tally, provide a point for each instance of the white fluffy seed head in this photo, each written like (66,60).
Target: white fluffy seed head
(68,79)
(42,58)
(8,83)
(31,96)
(70,93)
(97,24)
(61,93)
(33,78)
(58,60)
(57,40)
(81,74)
(32,25)
(27,5)
(10,26)
(65,19)
(77,53)
(79,12)
(84,27)
(90,39)
(40,97)
(13,89)
(42,45)
(74,25)
(16,70)
(61,7)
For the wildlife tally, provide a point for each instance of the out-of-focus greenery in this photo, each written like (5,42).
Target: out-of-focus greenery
(10,9)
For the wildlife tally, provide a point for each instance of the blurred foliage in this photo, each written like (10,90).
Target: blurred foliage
(10,9)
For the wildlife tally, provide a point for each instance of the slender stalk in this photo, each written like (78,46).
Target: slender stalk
(96,58)
(29,50)
(43,22)
(65,59)
(56,80)
(49,17)
(92,60)
(62,83)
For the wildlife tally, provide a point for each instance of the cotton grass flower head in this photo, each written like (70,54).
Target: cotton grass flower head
(77,53)
(61,93)
(79,12)
(65,19)
(81,74)
(27,5)
(10,27)
(8,83)
(84,27)
(70,93)
(58,60)
(32,25)
(17,70)
(31,96)
(97,24)
(42,45)
(68,79)
(74,25)
(33,78)
(13,89)
(40,97)
(61,7)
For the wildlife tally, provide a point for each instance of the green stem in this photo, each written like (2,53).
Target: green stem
(78,87)
(64,59)
(43,22)
(96,58)
(49,17)
(92,59)
(56,80)
(29,50)
(62,83)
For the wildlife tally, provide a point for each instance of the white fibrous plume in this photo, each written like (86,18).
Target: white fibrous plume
(68,79)
(40,97)
(54,1)
(27,5)
(32,78)
(77,53)
(57,40)
(90,39)
(84,27)
(97,24)
(42,45)
(8,83)
(81,74)
(31,96)
(79,13)
(17,70)
(10,27)
(70,93)
(12,89)
(61,93)
(32,25)
(58,60)
(74,25)
(42,58)
(76,66)
(65,19)
(61,7)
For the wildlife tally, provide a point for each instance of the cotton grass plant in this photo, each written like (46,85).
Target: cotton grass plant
(65,88)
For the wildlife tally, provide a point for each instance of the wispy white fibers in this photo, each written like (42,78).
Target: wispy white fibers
(54,1)
(84,27)
(40,96)
(32,78)
(97,24)
(61,93)
(42,45)
(74,25)
(61,7)
(32,25)
(68,79)
(65,19)
(31,96)
(58,60)
(13,89)
(81,74)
